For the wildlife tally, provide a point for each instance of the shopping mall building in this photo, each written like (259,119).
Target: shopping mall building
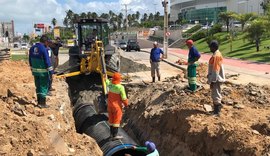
(207,11)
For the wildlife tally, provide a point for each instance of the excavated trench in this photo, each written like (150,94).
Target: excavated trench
(85,92)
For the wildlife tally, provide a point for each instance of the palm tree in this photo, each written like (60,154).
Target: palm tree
(89,15)
(137,15)
(255,32)
(54,22)
(145,17)
(244,18)
(94,15)
(226,17)
(157,16)
(83,15)
(151,17)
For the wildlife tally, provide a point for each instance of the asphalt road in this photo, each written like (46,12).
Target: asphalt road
(147,44)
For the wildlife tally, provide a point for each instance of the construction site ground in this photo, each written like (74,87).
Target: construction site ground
(179,122)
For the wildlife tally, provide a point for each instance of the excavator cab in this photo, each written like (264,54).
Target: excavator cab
(92,52)
(90,30)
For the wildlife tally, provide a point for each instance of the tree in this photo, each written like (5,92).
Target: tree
(157,16)
(255,32)
(54,22)
(94,15)
(137,15)
(244,18)
(145,17)
(83,15)
(151,17)
(65,22)
(265,5)
(227,17)
(89,15)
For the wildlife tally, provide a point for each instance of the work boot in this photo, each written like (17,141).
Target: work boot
(217,109)
(153,79)
(158,78)
(42,103)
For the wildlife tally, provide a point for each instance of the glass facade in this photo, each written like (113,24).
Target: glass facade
(203,16)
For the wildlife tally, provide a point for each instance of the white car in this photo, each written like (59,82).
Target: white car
(24,46)
(123,45)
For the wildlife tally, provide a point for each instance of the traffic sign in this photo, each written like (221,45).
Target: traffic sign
(168,33)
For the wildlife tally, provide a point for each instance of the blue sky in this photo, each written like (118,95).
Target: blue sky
(26,12)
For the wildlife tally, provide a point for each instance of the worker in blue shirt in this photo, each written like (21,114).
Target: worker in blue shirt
(155,61)
(41,68)
(193,57)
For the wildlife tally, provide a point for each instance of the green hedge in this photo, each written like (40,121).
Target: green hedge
(198,35)
(194,29)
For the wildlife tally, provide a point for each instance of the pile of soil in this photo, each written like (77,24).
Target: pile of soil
(129,66)
(28,130)
(176,120)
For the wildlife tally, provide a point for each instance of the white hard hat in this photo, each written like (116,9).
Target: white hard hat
(155,43)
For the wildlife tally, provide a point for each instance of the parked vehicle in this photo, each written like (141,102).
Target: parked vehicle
(24,46)
(123,45)
(133,45)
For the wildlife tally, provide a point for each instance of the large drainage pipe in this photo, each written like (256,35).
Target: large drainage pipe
(88,121)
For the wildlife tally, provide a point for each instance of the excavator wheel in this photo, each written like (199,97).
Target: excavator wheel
(113,62)
(74,59)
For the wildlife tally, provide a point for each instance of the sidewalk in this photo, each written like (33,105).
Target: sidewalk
(249,71)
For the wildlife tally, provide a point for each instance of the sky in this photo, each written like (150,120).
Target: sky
(26,13)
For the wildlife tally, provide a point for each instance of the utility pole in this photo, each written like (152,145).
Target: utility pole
(126,10)
(165,38)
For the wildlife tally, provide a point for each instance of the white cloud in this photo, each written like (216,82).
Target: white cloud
(27,12)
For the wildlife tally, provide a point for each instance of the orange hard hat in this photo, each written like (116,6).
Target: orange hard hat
(189,42)
(116,78)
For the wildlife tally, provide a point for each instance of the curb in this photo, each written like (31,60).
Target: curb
(170,63)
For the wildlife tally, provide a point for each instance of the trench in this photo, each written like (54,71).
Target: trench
(85,92)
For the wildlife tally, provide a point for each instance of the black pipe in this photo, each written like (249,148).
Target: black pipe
(95,125)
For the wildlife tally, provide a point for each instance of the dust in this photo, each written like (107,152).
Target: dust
(27,130)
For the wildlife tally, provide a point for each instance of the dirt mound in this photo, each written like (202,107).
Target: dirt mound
(177,122)
(129,66)
(27,130)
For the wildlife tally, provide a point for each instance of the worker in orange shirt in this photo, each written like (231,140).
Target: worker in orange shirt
(117,99)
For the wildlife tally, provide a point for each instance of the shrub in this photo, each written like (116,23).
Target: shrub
(198,35)
(215,29)
(194,29)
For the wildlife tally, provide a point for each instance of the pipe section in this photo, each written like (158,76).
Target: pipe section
(88,121)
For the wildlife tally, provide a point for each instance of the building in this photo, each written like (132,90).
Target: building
(207,11)
(7,30)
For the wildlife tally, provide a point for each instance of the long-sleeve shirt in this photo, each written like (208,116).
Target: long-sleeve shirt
(117,95)
(39,60)
(215,68)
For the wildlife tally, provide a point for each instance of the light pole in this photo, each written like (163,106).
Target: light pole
(165,38)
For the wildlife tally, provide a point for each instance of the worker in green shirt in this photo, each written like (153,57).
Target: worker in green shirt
(150,149)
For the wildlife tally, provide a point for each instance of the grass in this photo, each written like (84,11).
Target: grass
(241,48)
(19,57)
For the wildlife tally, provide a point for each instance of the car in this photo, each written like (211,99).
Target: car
(133,45)
(175,27)
(123,45)
(16,45)
(24,46)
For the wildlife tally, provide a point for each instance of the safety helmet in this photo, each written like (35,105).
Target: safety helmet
(150,146)
(116,78)
(189,42)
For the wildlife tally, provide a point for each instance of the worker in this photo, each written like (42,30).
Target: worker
(150,149)
(55,49)
(91,39)
(193,57)
(155,61)
(41,68)
(215,76)
(117,99)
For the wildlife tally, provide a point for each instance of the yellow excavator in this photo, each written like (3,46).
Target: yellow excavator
(92,51)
